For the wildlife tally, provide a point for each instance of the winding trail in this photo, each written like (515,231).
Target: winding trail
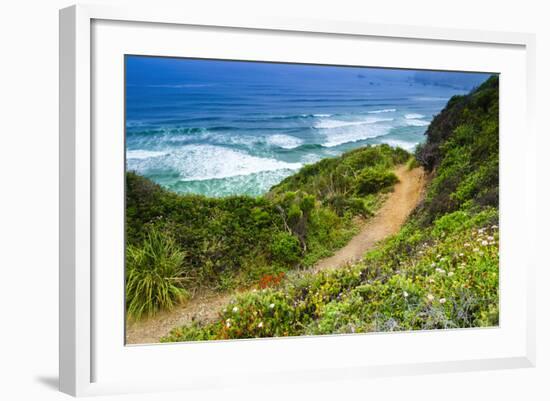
(204,306)
(406,194)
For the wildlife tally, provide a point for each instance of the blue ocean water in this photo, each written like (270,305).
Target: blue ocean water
(223,127)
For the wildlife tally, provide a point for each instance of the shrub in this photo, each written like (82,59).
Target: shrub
(285,249)
(153,275)
(372,180)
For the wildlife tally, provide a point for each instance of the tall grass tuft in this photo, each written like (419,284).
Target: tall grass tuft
(154,275)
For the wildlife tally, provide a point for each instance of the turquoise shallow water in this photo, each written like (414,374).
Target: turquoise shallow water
(221,128)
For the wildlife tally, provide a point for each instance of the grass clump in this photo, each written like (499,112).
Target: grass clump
(154,275)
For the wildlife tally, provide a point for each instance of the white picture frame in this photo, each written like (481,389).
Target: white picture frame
(91,362)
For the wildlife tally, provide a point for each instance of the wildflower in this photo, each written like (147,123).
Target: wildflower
(438,255)
(476,249)
(450,274)
(225,310)
(484,243)
(431,280)
(433,264)
(260,325)
(440,270)
(405,294)
(430,297)
(494,227)
(442,300)
(228,323)
(466,244)
(460,254)
(490,238)
(235,309)
(271,306)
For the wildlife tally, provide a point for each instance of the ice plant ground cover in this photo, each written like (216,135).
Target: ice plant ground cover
(437,278)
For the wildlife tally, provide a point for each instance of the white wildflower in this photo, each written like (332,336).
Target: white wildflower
(442,300)
(271,306)
(450,274)
(430,297)
(433,264)
(490,238)
(405,294)
(494,227)
(484,243)
(476,249)
(235,309)
(466,244)
(460,254)
(260,325)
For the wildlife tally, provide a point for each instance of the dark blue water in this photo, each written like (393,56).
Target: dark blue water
(220,128)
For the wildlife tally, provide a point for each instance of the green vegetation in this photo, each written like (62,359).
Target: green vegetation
(177,243)
(440,271)
(155,272)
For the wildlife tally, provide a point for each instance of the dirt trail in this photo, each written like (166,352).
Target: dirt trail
(387,221)
(204,306)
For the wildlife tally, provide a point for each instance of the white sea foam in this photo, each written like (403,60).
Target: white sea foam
(206,162)
(354,134)
(416,123)
(284,141)
(330,124)
(381,111)
(144,154)
(311,158)
(402,144)
(411,116)
(322,115)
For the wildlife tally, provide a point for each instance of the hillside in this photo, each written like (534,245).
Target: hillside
(180,244)
(439,271)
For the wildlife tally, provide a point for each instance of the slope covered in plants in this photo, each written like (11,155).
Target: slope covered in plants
(179,243)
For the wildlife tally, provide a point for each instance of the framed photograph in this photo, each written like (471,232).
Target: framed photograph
(246,198)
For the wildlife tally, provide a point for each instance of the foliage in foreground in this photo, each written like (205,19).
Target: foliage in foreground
(235,241)
(154,275)
(440,271)
(443,277)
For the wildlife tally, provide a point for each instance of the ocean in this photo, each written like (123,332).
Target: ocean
(221,128)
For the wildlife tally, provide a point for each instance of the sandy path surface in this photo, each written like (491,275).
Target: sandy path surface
(387,221)
(205,305)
